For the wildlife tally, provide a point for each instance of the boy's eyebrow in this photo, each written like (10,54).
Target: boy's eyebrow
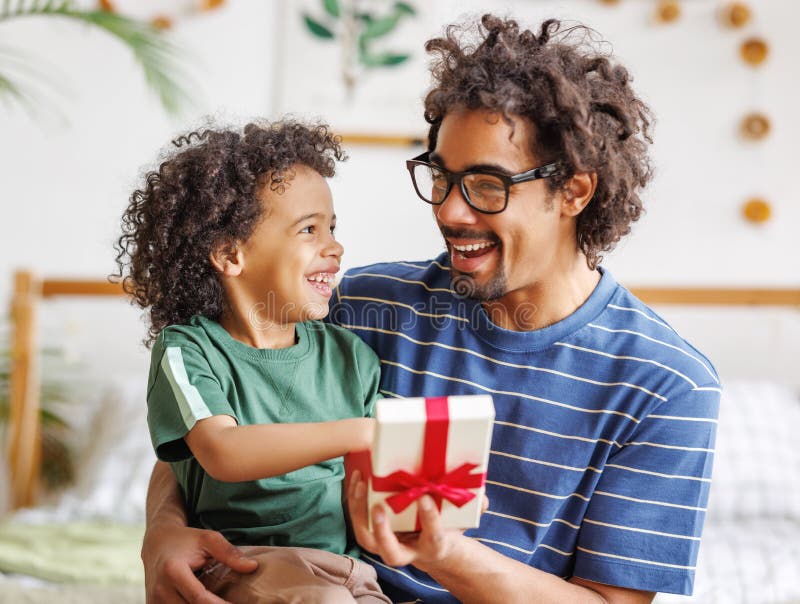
(310,216)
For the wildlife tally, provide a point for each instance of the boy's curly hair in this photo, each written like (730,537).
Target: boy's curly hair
(205,195)
(585,115)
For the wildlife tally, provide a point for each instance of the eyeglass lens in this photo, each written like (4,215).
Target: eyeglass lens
(484,191)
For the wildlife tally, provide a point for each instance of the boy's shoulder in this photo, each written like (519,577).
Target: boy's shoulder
(330,334)
(192,334)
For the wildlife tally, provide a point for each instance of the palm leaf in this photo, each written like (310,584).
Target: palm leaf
(154,53)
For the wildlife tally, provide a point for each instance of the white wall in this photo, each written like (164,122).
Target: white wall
(65,184)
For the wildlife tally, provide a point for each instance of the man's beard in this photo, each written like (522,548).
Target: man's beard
(465,286)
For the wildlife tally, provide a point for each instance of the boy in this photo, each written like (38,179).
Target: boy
(231,246)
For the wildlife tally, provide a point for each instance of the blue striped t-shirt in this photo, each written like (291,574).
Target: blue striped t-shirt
(605,423)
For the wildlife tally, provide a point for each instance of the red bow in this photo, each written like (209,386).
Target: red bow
(432,478)
(453,486)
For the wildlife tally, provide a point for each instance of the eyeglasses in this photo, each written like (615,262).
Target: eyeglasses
(486,192)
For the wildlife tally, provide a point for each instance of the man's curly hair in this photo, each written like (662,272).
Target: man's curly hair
(206,194)
(585,115)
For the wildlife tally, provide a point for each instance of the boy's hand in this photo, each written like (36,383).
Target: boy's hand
(171,554)
(363,433)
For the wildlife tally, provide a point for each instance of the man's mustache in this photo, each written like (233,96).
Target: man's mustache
(452,233)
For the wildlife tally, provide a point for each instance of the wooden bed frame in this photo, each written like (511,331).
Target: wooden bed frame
(24,431)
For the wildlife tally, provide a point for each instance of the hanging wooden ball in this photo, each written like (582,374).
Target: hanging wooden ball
(754,51)
(609,2)
(211,4)
(735,14)
(161,22)
(755,126)
(757,211)
(106,5)
(668,11)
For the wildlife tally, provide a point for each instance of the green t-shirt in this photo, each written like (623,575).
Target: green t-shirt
(199,370)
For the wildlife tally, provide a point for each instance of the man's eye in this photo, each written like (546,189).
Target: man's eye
(308,229)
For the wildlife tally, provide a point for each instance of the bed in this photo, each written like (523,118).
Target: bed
(751,545)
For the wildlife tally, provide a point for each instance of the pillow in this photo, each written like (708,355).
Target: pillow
(757,459)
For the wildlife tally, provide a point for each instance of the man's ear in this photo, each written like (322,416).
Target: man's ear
(578,193)
(227,259)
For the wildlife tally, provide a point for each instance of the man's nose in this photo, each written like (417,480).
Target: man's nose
(455,209)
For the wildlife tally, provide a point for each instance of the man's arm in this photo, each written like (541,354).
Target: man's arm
(468,569)
(171,551)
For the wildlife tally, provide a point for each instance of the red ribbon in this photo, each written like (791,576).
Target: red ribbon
(432,479)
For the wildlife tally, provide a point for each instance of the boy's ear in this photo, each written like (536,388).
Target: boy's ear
(227,259)
(578,192)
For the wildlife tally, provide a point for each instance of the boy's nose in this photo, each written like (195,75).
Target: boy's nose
(334,248)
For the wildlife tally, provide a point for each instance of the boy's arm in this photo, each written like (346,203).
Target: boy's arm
(234,453)
(172,552)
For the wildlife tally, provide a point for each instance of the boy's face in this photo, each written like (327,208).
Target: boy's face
(291,258)
(518,248)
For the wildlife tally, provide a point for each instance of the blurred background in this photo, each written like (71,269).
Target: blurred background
(92,94)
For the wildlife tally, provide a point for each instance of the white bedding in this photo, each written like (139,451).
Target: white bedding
(750,552)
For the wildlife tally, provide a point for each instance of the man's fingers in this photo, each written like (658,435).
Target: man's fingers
(432,536)
(223,551)
(190,588)
(357,507)
(389,547)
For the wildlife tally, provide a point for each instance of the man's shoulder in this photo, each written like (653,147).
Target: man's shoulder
(630,328)
(414,278)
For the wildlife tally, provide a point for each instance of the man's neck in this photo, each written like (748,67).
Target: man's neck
(545,302)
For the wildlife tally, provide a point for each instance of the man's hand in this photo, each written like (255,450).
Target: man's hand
(432,544)
(171,554)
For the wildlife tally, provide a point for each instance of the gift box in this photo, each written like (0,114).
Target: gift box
(435,446)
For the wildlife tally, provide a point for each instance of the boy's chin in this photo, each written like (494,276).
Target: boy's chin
(315,312)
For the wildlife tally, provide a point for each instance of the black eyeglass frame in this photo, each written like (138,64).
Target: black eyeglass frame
(508,181)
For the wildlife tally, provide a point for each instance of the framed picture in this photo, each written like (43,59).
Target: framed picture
(358,64)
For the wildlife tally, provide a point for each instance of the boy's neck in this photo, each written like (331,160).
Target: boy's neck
(255,331)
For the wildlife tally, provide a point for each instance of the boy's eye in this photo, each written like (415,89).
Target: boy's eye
(333,229)
(309,229)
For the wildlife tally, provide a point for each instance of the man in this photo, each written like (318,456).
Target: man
(605,418)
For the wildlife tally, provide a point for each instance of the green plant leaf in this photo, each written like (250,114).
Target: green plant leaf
(380,27)
(154,53)
(383,59)
(405,8)
(331,7)
(318,29)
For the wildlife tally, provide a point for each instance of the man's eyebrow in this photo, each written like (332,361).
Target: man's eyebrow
(437,159)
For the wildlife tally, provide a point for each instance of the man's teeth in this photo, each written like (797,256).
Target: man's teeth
(471,247)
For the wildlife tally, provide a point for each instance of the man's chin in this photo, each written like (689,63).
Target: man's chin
(466,285)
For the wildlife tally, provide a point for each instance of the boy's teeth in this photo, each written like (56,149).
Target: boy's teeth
(321,278)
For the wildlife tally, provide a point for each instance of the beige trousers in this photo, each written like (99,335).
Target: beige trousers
(296,575)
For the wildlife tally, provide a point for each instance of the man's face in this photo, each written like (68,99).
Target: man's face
(494,255)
